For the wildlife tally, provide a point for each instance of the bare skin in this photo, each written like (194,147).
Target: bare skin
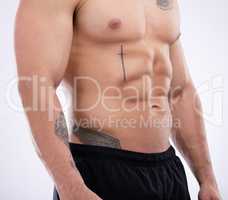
(131,67)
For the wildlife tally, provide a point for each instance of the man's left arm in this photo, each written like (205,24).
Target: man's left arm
(190,135)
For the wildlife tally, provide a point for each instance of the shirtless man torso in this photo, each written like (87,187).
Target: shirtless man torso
(131,92)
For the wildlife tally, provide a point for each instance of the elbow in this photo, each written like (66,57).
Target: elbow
(35,83)
(185,92)
(36,91)
(21,88)
(186,99)
(25,94)
(179,91)
(24,87)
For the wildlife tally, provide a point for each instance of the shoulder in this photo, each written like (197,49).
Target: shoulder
(58,5)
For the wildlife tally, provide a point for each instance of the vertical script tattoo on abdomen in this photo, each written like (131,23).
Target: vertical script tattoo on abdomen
(61,128)
(165,4)
(123,62)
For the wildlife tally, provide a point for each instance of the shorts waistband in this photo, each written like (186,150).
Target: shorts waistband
(95,152)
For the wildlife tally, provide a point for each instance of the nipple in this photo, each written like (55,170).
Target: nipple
(115,23)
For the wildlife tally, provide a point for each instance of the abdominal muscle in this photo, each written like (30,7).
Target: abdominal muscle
(129,108)
(143,131)
(132,122)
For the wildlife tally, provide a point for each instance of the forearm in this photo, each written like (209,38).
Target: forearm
(197,155)
(49,133)
(190,136)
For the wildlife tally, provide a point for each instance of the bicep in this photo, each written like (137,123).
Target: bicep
(43,38)
(181,76)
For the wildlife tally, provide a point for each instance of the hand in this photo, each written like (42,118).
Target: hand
(82,192)
(209,192)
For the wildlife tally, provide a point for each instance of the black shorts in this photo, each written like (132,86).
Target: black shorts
(115,174)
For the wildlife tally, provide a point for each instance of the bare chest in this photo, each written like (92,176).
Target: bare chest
(128,20)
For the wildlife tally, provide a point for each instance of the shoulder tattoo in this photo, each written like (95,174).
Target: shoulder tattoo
(165,4)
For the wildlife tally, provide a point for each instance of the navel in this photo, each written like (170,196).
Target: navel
(115,23)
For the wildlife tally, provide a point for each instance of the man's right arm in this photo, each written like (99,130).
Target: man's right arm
(43,39)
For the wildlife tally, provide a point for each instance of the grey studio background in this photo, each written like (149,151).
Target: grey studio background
(204,37)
